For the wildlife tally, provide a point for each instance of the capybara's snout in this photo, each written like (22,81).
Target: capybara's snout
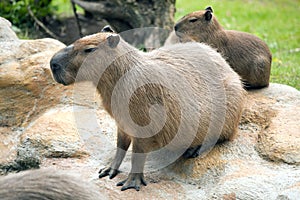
(55,65)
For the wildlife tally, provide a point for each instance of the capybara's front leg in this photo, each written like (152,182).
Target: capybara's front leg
(123,142)
(136,177)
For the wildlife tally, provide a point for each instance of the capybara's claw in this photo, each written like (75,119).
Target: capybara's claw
(108,171)
(134,181)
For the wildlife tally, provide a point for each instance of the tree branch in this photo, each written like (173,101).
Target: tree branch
(112,10)
(41,24)
(76,18)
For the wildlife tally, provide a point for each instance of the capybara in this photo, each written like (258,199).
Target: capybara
(171,97)
(172,39)
(247,54)
(46,184)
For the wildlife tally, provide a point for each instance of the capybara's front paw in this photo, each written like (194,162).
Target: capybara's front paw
(134,181)
(108,171)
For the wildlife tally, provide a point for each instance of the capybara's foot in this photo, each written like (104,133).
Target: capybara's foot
(192,152)
(134,181)
(108,171)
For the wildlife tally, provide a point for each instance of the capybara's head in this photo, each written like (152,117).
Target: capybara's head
(65,63)
(196,25)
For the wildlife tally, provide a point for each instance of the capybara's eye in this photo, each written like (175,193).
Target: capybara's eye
(89,50)
(193,19)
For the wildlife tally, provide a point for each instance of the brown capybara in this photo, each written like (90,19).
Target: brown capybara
(177,97)
(46,184)
(172,39)
(247,54)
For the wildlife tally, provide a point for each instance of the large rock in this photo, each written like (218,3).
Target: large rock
(240,169)
(280,140)
(6,33)
(8,147)
(53,134)
(26,84)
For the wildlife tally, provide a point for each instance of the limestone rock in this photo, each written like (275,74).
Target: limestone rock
(6,33)
(53,134)
(280,141)
(233,170)
(8,147)
(26,84)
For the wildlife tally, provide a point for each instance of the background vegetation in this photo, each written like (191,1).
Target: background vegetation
(276,22)
(17,12)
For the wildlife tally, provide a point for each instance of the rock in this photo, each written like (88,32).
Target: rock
(9,41)
(292,192)
(26,84)
(8,147)
(233,170)
(280,140)
(6,33)
(53,134)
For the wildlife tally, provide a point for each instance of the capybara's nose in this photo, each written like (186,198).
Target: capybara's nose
(176,27)
(54,65)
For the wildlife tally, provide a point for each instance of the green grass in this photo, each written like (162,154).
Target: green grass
(276,22)
(64,8)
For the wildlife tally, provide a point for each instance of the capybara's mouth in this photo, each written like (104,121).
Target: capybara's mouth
(56,69)
(179,34)
(59,79)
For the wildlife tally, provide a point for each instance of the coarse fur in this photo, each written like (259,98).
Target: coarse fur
(172,39)
(198,72)
(46,184)
(247,54)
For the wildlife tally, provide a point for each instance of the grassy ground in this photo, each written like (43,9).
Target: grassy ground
(276,22)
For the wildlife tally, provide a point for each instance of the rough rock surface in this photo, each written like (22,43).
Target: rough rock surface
(7,33)
(47,125)
(280,141)
(26,84)
(54,134)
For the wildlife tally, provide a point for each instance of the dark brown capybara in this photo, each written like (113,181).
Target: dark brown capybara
(247,54)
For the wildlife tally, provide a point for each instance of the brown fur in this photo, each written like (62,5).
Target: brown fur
(46,184)
(248,55)
(203,69)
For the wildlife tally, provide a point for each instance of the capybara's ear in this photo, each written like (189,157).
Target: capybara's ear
(113,40)
(107,29)
(209,8)
(208,15)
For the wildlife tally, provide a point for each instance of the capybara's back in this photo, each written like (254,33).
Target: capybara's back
(200,92)
(216,88)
